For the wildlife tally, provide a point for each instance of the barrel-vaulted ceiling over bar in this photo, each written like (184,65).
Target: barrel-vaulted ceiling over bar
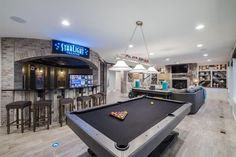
(105,26)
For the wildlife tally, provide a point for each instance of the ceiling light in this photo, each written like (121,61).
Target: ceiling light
(167,59)
(139,68)
(177,62)
(199,45)
(151,53)
(65,23)
(152,70)
(199,27)
(209,60)
(17,19)
(205,55)
(120,66)
(131,46)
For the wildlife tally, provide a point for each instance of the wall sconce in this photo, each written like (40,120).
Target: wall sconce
(41,70)
(61,72)
(23,70)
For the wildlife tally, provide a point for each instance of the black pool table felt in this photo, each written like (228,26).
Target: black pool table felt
(142,115)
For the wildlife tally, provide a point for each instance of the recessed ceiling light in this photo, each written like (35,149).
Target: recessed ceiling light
(205,55)
(151,53)
(131,46)
(177,62)
(17,19)
(199,27)
(167,59)
(209,60)
(199,45)
(65,23)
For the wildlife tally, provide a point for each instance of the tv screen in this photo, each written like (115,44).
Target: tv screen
(183,68)
(77,81)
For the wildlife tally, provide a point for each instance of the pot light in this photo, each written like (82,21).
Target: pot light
(65,23)
(177,62)
(151,53)
(209,60)
(167,59)
(199,27)
(131,46)
(205,55)
(199,45)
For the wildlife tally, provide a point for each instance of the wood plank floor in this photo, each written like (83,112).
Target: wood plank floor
(200,136)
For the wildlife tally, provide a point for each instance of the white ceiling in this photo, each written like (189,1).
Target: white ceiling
(106,26)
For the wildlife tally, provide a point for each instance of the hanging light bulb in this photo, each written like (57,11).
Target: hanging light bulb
(152,70)
(120,66)
(139,68)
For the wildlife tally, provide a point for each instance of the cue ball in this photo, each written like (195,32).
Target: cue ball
(152,102)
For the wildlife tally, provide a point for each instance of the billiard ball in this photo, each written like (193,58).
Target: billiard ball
(151,102)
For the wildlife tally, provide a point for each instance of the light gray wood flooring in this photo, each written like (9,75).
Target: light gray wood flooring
(200,136)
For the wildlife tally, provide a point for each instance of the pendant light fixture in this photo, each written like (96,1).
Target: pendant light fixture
(120,66)
(139,68)
(152,70)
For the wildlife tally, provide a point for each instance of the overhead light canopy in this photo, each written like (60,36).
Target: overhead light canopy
(139,68)
(120,66)
(152,70)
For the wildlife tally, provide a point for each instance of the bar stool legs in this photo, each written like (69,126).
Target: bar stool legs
(64,104)
(22,121)
(17,118)
(8,121)
(42,113)
(16,106)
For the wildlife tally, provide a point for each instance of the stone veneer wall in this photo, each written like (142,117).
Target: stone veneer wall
(191,75)
(17,49)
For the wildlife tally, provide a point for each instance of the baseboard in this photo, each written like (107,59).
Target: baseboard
(233,104)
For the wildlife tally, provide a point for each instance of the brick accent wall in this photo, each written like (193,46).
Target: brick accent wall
(14,50)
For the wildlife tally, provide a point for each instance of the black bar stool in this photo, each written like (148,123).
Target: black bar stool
(84,101)
(64,103)
(96,99)
(18,105)
(42,113)
(102,98)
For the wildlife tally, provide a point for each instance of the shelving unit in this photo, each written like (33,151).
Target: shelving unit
(205,78)
(214,76)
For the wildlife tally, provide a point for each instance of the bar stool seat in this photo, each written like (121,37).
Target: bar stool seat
(18,105)
(84,100)
(42,113)
(64,103)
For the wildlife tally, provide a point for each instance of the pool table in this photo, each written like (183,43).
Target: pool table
(148,123)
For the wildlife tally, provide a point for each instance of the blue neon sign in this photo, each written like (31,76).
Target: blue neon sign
(70,49)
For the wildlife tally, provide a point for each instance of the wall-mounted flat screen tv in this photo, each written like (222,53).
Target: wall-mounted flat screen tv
(77,81)
(181,68)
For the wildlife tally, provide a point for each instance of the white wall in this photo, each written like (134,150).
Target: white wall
(0,80)
(232,86)
(111,81)
(234,82)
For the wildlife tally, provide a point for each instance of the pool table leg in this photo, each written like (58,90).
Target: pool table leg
(91,152)
(165,144)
